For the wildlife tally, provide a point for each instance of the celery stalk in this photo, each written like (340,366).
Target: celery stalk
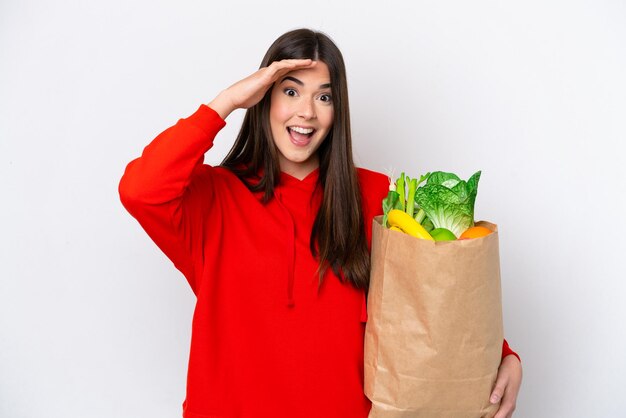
(410,203)
(400,190)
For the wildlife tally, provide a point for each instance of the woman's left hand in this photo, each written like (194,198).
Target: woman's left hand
(507,386)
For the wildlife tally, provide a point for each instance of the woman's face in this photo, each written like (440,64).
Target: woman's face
(301,115)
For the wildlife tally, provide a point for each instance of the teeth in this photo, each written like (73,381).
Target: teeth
(300,130)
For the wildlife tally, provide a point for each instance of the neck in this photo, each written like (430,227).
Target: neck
(299,170)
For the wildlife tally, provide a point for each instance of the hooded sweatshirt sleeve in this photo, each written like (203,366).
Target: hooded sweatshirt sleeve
(169,189)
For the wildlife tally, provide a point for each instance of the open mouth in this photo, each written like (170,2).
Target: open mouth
(300,135)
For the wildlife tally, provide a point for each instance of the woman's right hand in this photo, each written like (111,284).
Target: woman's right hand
(249,91)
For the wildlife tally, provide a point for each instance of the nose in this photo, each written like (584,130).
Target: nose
(306,110)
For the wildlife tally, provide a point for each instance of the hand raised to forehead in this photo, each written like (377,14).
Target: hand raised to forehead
(249,91)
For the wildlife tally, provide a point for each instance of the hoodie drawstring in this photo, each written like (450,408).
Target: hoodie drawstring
(291,249)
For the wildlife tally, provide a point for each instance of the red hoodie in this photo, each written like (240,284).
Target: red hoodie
(266,341)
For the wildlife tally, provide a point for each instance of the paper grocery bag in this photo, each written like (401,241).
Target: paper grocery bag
(433,339)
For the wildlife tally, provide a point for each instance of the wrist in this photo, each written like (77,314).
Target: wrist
(222,105)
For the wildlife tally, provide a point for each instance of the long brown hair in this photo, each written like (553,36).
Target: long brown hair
(338,235)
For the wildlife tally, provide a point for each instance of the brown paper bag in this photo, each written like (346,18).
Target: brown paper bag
(433,338)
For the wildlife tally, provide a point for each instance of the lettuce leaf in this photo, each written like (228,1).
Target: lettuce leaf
(448,201)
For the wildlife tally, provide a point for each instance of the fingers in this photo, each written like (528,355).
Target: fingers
(507,387)
(507,407)
(279,68)
(293,63)
(498,390)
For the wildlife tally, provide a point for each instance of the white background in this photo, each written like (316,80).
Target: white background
(95,321)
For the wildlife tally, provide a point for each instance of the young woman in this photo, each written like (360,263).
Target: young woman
(274,241)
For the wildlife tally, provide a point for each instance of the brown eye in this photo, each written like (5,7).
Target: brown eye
(326,98)
(290,92)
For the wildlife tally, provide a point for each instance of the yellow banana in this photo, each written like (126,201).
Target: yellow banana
(407,224)
(395,228)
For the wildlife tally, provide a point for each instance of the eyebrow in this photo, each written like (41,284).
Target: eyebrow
(295,80)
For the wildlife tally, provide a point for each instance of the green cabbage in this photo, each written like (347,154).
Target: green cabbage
(448,201)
